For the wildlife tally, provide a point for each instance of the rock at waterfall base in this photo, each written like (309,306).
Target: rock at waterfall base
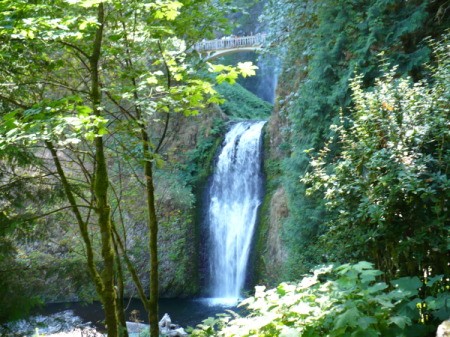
(166,328)
(444,329)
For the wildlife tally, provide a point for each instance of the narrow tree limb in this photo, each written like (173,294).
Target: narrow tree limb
(51,212)
(10,100)
(78,49)
(132,270)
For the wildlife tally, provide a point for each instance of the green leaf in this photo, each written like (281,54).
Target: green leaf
(90,136)
(115,37)
(342,269)
(432,280)
(377,288)
(368,276)
(400,321)
(289,332)
(247,69)
(83,110)
(408,284)
(363,265)
(365,333)
(280,289)
(365,321)
(348,318)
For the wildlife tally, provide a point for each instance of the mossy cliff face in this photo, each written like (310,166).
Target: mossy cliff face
(271,253)
(193,146)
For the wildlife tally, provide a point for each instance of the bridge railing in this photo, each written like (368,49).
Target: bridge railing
(229,42)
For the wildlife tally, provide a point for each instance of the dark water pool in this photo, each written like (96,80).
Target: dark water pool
(185,312)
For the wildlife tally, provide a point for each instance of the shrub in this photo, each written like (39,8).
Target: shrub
(388,189)
(346,300)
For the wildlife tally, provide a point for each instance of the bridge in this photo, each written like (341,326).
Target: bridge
(229,44)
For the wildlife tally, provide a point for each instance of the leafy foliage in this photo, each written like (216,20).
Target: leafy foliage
(85,79)
(18,297)
(21,285)
(346,300)
(240,103)
(198,163)
(389,189)
(323,43)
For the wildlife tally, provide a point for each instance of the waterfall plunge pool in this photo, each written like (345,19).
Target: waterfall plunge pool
(66,317)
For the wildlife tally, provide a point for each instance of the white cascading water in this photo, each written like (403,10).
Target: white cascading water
(235,194)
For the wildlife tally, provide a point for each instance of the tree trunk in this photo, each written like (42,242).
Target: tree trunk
(123,332)
(151,305)
(153,240)
(100,189)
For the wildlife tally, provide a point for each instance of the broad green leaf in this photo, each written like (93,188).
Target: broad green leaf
(377,287)
(347,318)
(281,290)
(289,332)
(247,69)
(400,321)
(366,333)
(432,280)
(370,275)
(408,284)
(365,321)
(84,110)
(363,265)
(90,136)
(302,308)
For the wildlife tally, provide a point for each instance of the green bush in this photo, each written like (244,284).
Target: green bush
(241,103)
(388,191)
(347,300)
(322,44)
(197,165)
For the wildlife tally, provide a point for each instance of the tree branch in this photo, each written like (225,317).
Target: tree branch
(81,51)
(51,212)
(75,209)
(132,271)
(9,99)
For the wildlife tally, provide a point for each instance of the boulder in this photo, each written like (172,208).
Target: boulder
(443,329)
(165,323)
(177,333)
(168,329)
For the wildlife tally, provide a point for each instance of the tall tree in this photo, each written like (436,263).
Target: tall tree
(84,75)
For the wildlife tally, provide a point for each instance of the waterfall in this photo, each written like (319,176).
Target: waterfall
(234,196)
(267,77)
